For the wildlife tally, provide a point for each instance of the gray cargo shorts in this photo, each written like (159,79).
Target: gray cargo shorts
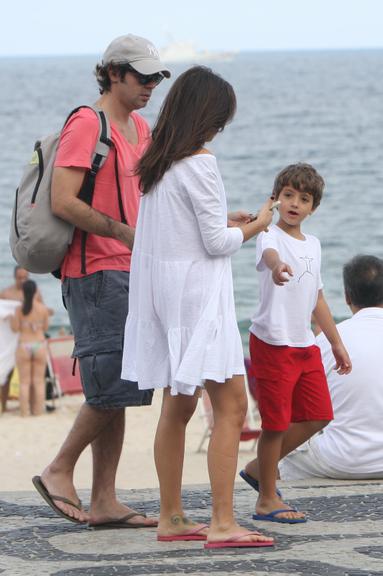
(98,306)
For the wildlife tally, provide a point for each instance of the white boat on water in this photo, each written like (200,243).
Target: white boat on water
(187,52)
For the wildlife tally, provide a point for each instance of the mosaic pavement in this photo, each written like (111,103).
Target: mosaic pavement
(344,537)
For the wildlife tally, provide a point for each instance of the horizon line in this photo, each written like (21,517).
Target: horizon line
(213,51)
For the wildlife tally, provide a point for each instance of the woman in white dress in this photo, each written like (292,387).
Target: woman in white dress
(181,333)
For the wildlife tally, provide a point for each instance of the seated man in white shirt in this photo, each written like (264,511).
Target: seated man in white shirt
(351,446)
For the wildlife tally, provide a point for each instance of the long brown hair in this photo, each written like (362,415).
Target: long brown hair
(29,290)
(199,104)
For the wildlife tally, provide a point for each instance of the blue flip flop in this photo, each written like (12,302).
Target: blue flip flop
(253,482)
(271,517)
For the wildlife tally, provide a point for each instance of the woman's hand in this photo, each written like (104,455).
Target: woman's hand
(259,222)
(239,217)
(265,215)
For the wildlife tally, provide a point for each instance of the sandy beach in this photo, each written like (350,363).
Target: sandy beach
(28,444)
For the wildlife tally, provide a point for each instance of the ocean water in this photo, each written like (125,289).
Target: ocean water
(325,108)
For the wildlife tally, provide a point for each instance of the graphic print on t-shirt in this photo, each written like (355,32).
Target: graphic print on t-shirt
(307,260)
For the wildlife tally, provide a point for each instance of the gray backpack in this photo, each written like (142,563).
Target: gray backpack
(38,239)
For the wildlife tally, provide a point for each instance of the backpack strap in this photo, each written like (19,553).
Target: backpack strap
(120,203)
(100,154)
(103,145)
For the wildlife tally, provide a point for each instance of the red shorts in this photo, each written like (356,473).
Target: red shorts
(291,384)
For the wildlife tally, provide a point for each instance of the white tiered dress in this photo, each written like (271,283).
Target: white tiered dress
(182,328)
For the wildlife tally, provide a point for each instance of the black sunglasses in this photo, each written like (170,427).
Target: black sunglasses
(145,79)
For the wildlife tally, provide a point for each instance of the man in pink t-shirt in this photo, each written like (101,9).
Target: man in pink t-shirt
(95,282)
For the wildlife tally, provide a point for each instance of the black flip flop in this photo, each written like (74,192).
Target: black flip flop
(49,499)
(121,523)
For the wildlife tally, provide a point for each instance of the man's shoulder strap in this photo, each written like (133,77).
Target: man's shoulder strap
(104,141)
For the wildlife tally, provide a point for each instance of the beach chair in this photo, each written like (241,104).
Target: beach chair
(249,430)
(60,366)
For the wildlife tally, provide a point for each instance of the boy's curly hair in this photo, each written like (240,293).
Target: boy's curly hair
(304,178)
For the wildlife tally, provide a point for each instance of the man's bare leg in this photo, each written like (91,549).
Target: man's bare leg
(106,450)
(58,475)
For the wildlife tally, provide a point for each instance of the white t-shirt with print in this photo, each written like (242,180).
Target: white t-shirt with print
(283,317)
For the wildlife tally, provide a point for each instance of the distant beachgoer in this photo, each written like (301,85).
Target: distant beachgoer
(181,332)
(8,345)
(351,446)
(293,396)
(97,301)
(15,293)
(31,321)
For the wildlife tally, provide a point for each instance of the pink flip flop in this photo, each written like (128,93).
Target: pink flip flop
(193,534)
(235,542)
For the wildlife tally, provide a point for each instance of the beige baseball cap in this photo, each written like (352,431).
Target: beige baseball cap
(141,54)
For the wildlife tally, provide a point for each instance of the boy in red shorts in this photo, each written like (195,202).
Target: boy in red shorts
(293,397)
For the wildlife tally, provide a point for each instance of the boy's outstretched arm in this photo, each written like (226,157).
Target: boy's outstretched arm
(325,320)
(279,269)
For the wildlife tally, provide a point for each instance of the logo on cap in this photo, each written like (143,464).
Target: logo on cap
(152,50)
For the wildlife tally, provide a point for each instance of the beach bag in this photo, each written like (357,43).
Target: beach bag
(38,239)
(14,385)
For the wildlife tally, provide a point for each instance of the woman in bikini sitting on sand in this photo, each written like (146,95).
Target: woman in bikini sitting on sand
(31,320)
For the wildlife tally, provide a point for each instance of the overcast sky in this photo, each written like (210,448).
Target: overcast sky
(86,26)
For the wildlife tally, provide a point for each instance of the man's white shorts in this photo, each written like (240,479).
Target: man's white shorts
(306,462)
